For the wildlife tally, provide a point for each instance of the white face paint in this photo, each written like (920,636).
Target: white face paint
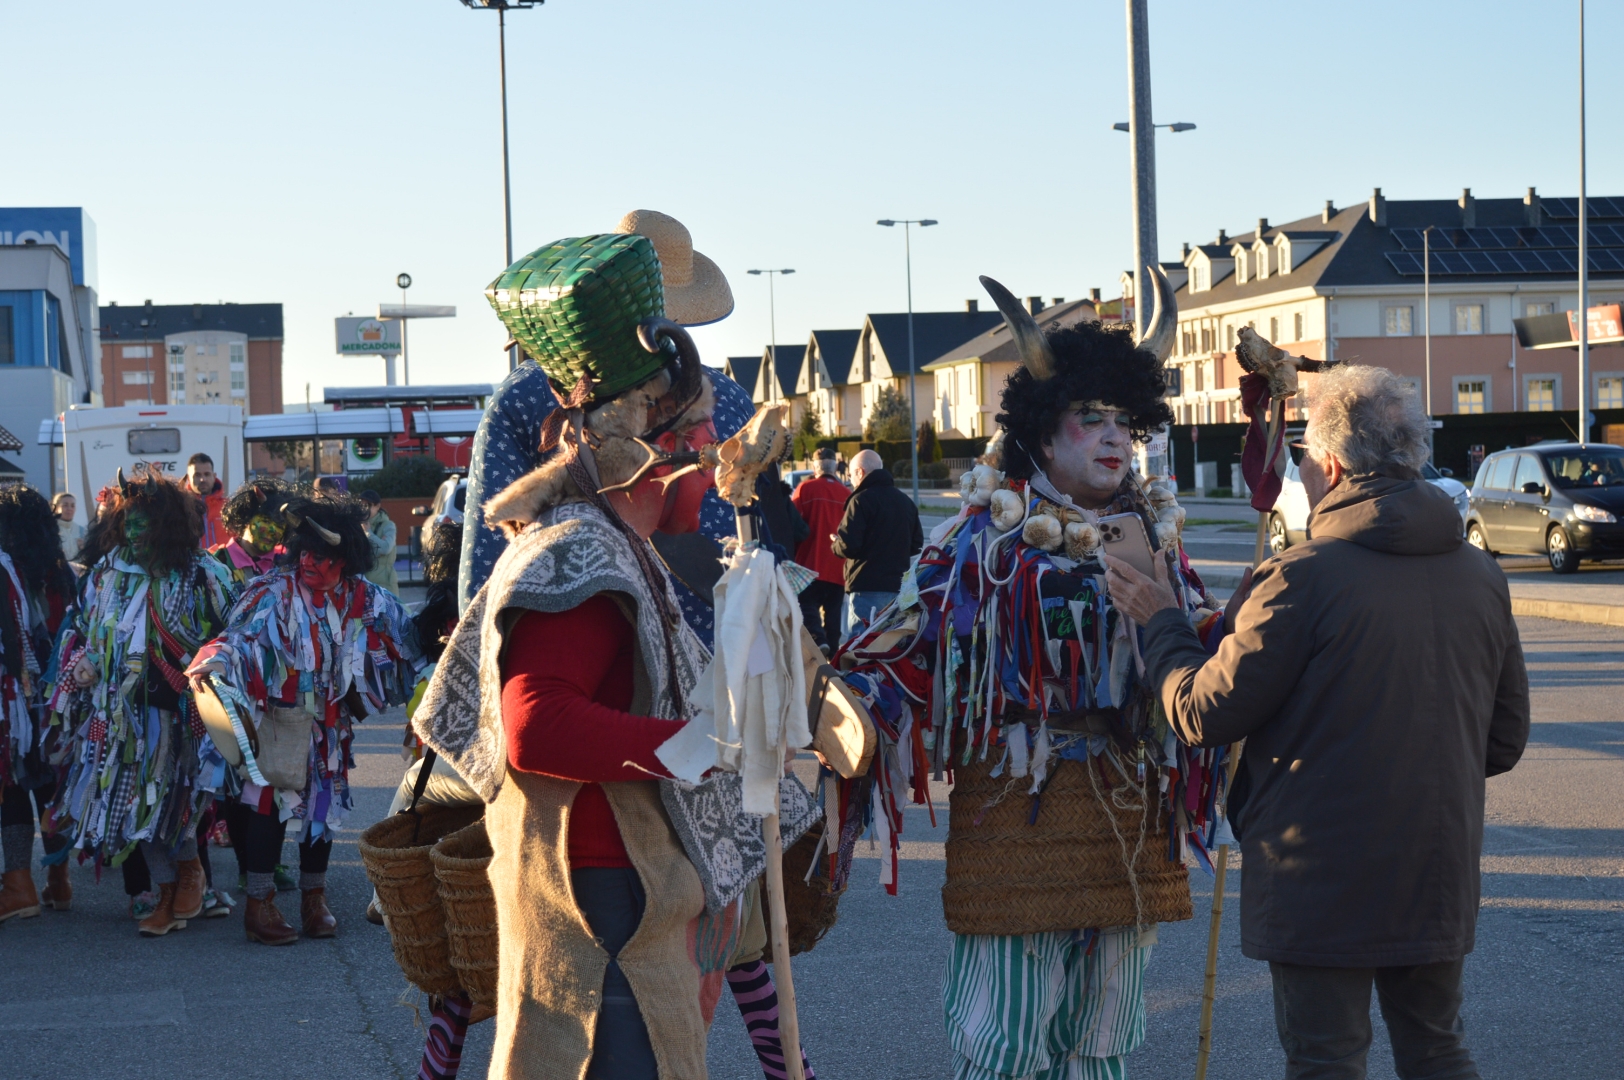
(1090,453)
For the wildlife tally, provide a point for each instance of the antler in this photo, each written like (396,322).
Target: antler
(658,458)
(294,519)
(1029,339)
(1164,318)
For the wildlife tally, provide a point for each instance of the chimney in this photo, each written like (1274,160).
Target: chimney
(1184,256)
(1378,209)
(197,312)
(1094,295)
(1057,301)
(1034,304)
(1328,213)
(1532,215)
(972,306)
(1468,209)
(1223,237)
(1262,227)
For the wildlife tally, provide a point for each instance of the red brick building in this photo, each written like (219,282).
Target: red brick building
(193,354)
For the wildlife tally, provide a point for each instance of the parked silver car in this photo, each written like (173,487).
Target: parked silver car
(450,499)
(1289,523)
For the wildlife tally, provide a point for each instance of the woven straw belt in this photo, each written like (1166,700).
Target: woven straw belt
(1067,870)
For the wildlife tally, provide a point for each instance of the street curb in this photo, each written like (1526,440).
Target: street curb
(1569,611)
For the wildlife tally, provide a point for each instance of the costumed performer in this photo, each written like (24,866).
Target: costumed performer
(141,769)
(36,587)
(1004,660)
(507,445)
(310,649)
(253,518)
(570,668)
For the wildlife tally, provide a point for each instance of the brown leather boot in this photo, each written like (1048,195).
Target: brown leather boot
(58,893)
(318,921)
(163,918)
(189,889)
(18,900)
(264,923)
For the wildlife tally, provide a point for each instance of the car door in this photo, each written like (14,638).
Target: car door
(1525,512)
(1490,501)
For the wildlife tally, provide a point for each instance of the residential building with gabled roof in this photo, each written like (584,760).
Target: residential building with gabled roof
(1347,284)
(824,379)
(744,371)
(788,369)
(881,355)
(968,381)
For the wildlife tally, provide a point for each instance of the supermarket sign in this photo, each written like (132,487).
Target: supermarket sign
(368,337)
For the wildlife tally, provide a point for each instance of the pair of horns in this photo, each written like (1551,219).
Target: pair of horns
(328,535)
(1036,355)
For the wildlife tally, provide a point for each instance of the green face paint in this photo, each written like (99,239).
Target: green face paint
(261,534)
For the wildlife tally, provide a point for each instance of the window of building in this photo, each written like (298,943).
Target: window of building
(1540,309)
(177,374)
(136,352)
(1274,329)
(1200,376)
(1297,326)
(1231,336)
(1198,278)
(8,348)
(137,378)
(1399,321)
(1472,395)
(1206,339)
(1610,392)
(1540,394)
(1468,318)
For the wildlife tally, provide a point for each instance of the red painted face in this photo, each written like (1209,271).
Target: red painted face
(682,499)
(319,573)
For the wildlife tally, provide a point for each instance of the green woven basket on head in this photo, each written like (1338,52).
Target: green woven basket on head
(574,306)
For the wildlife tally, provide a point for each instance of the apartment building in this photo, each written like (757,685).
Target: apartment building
(193,354)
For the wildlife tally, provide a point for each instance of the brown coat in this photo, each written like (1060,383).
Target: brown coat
(1376,676)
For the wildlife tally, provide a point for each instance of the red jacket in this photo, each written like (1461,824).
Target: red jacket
(821,500)
(214,533)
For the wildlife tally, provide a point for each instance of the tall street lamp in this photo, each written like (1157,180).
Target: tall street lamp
(404,281)
(913,412)
(772,330)
(501,8)
(1144,178)
(1584,255)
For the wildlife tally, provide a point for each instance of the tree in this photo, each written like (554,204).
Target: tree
(807,435)
(930,448)
(890,420)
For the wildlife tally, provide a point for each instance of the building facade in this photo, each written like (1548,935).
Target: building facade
(1349,284)
(193,354)
(824,379)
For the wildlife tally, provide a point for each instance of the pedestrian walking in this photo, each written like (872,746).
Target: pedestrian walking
(1376,675)
(202,482)
(878,534)
(381,536)
(821,500)
(64,506)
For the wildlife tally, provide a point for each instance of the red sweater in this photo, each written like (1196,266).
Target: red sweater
(821,500)
(566,682)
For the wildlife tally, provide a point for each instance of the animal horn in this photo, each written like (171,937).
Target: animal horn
(1164,319)
(123,484)
(649,332)
(329,536)
(1029,339)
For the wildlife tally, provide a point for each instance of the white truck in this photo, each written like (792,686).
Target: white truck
(97,442)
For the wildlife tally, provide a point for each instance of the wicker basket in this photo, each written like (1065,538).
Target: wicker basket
(460,863)
(809,906)
(396,854)
(1064,871)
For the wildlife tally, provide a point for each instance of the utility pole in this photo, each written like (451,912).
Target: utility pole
(1142,157)
(1584,265)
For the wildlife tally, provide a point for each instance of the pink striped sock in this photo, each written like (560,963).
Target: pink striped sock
(757,998)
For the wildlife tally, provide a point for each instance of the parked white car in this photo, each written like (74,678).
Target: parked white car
(1289,523)
(450,500)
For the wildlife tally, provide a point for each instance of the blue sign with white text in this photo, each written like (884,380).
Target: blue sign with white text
(67,227)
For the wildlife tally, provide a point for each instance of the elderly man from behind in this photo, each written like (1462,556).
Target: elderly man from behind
(1377,678)
(877,537)
(821,500)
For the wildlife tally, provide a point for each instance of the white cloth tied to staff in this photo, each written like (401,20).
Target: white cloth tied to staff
(751,700)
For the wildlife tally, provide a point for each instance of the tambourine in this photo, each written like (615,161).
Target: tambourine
(229,722)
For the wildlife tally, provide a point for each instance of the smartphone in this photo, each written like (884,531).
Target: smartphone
(1123,536)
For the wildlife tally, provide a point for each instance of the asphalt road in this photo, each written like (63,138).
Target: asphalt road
(84,997)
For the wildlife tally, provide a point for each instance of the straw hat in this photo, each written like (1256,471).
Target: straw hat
(696,292)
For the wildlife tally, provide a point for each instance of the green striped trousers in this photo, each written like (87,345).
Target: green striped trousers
(1066,1005)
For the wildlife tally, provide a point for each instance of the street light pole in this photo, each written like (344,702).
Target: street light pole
(1426,310)
(501,8)
(1584,264)
(772,331)
(404,281)
(913,409)
(1142,158)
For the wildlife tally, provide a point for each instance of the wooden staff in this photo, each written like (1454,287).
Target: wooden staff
(789,1024)
(1209,987)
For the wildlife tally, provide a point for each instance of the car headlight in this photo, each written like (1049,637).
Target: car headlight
(1461,501)
(1585,512)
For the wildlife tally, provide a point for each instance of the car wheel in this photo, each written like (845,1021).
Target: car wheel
(1559,550)
(1279,539)
(1476,537)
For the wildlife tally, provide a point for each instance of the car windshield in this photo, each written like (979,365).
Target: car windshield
(462,496)
(1586,468)
(1430,472)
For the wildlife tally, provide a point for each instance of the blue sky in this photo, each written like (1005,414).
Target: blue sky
(307,152)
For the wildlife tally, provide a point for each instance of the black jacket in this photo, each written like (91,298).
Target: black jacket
(878,535)
(1376,676)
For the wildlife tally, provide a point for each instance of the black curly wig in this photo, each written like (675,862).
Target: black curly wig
(1093,362)
(29,534)
(174,523)
(260,497)
(338,512)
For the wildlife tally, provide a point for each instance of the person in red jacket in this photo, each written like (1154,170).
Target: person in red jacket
(201,481)
(821,500)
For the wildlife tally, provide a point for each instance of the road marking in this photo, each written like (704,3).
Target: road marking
(153,1009)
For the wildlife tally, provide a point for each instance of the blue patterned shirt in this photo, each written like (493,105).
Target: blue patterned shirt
(506,447)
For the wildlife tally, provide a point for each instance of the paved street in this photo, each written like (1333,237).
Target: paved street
(86,998)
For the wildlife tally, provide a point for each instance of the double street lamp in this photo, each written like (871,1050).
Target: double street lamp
(501,8)
(772,330)
(913,412)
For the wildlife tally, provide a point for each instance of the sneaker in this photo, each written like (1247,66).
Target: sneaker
(143,904)
(286,881)
(217,903)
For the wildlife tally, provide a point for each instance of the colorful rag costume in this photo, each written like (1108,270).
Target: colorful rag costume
(1004,666)
(139,765)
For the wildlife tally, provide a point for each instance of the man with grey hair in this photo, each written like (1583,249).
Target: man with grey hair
(1376,677)
(877,537)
